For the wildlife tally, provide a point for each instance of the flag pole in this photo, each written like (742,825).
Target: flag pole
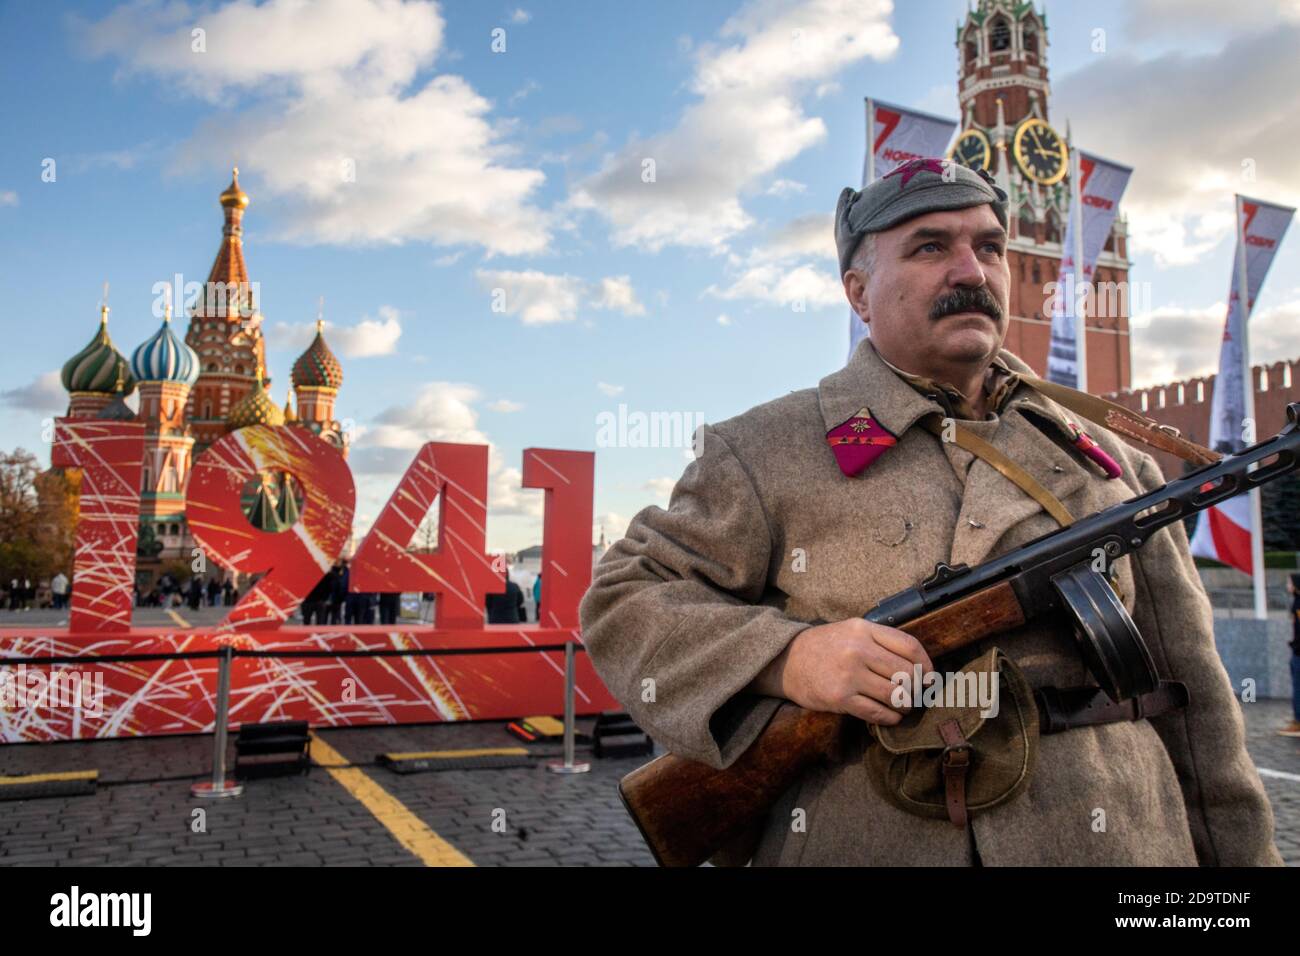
(1248,388)
(869,169)
(1080,307)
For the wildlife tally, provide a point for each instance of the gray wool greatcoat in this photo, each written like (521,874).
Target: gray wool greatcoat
(700,597)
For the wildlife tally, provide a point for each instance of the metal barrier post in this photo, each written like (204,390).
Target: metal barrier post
(219,786)
(568,766)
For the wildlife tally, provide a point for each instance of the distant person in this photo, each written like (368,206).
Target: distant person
(507,608)
(426,607)
(315,608)
(390,603)
(196,593)
(13,595)
(228,593)
(537,596)
(338,593)
(366,608)
(214,591)
(1292,729)
(59,590)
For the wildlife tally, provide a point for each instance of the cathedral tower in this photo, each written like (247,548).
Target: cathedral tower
(225,329)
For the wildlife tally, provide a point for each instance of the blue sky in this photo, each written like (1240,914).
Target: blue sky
(478,170)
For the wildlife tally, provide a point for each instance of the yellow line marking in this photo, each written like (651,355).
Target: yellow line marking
(177,618)
(48,777)
(481,752)
(410,831)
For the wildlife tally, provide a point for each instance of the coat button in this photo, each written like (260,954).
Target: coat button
(1058,469)
(975,524)
(891,530)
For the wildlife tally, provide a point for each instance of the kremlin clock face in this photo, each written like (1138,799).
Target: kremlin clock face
(972,150)
(1040,152)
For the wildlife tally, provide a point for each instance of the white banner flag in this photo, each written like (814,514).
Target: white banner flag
(1100,185)
(1223,532)
(895,135)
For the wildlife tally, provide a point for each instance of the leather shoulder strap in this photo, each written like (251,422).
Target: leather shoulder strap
(964,438)
(1124,421)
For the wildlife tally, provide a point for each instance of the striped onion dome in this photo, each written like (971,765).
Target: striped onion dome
(164,357)
(255,408)
(317,367)
(96,368)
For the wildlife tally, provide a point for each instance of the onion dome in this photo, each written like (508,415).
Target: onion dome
(317,367)
(233,195)
(118,410)
(255,408)
(96,367)
(289,416)
(165,357)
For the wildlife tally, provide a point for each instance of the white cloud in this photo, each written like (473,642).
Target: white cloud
(616,293)
(330,121)
(520,15)
(1177,342)
(42,394)
(610,390)
(532,86)
(367,338)
(662,487)
(786,187)
(613,524)
(815,288)
(1179,201)
(1155,19)
(443,412)
(746,122)
(807,236)
(540,298)
(505,406)
(796,263)
(8,198)
(725,319)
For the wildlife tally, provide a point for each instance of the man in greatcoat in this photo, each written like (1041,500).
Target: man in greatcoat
(813,507)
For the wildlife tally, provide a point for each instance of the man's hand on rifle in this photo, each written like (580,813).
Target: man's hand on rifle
(844,668)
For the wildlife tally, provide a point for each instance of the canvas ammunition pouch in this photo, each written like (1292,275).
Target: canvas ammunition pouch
(948,761)
(951,761)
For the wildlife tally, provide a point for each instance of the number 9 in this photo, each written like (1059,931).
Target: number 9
(294,560)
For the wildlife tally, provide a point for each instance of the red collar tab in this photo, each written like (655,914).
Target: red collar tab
(1086,444)
(859,441)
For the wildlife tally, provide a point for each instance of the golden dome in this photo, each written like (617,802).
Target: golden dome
(234,196)
(289,416)
(255,408)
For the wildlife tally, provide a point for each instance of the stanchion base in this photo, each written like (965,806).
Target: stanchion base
(207,790)
(568,768)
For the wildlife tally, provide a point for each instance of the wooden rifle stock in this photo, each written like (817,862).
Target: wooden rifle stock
(687,811)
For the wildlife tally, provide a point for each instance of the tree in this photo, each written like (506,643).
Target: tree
(38,513)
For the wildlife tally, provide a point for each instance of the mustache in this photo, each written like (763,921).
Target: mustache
(966,299)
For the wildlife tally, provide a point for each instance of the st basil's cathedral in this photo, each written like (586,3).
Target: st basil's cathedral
(194,390)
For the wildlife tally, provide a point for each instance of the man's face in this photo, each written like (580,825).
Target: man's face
(938,296)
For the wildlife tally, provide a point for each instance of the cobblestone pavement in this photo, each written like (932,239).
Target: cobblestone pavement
(143,814)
